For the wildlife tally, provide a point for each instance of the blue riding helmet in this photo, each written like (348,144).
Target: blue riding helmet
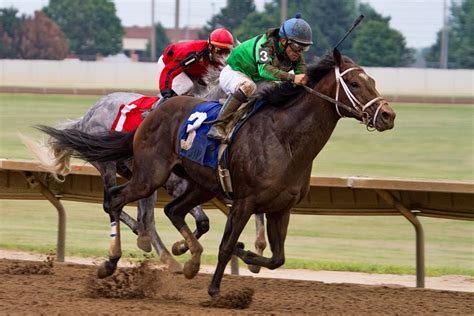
(297,30)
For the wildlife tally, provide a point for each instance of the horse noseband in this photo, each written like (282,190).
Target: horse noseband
(365,117)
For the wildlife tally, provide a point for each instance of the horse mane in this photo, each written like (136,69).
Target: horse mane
(279,95)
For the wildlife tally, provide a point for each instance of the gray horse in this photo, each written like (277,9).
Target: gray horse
(99,119)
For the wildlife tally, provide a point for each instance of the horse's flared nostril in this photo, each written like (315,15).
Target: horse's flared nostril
(388,116)
(386,119)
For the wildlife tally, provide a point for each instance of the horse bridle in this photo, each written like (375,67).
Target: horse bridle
(358,109)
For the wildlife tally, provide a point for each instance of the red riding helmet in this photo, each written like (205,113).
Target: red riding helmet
(221,38)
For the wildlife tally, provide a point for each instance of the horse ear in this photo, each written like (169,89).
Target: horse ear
(337,57)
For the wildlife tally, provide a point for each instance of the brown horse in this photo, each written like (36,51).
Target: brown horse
(270,159)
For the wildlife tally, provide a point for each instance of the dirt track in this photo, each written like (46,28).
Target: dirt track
(33,287)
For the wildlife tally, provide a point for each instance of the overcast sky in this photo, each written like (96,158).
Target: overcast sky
(417,20)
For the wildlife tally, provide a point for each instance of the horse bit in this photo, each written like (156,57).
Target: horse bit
(358,110)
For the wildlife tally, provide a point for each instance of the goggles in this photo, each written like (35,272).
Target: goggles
(298,48)
(221,51)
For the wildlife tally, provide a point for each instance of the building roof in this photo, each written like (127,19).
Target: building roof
(137,32)
(144,32)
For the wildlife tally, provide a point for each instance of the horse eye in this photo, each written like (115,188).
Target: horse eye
(354,84)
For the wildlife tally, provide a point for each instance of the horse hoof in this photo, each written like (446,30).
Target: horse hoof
(105,269)
(254,268)
(191,269)
(179,248)
(213,291)
(173,265)
(144,243)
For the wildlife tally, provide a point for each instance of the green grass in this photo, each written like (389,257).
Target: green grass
(18,113)
(428,142)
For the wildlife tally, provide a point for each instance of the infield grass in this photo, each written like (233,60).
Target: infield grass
(428,142)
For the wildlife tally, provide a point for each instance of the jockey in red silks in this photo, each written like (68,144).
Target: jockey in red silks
(184,61)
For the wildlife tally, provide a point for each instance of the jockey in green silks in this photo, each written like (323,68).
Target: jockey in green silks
(269,56)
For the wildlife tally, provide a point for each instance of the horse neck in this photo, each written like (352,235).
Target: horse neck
(312,122)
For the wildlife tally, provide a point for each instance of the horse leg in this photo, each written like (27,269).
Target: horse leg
(108,172)
(202,227)
(142,229)
(145,227)
(176,211)
(176,186)
(260,242)
(145,215)
(277,226)
(164,254)
(236,221)
(150,234)
(142,184)
(115,250)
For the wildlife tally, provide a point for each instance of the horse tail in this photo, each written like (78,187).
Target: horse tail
(92,148)
(53,159)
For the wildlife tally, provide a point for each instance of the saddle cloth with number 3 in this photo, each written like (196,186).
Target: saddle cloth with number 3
(193,142)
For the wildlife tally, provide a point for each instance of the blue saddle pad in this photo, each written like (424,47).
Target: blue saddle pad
(193,142)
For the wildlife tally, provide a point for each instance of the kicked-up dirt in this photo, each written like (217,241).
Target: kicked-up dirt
(28,287)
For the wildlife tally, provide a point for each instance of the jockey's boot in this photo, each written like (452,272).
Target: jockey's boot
(231,104)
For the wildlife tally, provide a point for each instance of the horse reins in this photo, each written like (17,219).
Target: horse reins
(355,110)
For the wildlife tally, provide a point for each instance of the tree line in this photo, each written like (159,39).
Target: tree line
(91,27)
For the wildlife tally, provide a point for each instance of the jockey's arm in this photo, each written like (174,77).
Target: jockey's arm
(273,73)
(300,66)
(171,70)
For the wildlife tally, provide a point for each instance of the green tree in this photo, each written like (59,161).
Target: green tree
(463,27)
(229,17)
(432,54)
(370,14)
(328,19)
(460,34)
(10,32)
(91,26)
(41,38)
(161,41)
(378,45)
(255,23)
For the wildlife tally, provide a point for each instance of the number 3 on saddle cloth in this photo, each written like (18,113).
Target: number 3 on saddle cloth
(193,142)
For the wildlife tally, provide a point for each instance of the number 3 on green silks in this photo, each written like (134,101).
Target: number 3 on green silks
(263,56)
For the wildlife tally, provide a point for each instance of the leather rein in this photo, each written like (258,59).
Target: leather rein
(358,110)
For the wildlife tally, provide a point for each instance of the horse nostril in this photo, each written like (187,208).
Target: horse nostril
(388,116)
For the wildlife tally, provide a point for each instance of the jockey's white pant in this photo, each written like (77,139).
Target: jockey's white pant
(182,84)
(231,80)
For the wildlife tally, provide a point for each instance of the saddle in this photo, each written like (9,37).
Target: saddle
(193,143)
